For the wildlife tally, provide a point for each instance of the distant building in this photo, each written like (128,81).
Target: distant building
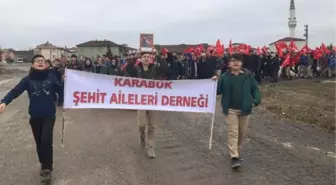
(93,48)
(25,56)
(178,48)
(300,43)
(73,50)
(7,54)
(129,50)
(51,52)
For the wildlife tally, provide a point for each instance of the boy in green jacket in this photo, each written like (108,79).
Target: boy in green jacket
(240,92)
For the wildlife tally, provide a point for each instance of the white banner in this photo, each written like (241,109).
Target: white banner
(85,90)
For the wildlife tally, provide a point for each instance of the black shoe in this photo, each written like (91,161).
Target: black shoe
(235,163)
(46,176)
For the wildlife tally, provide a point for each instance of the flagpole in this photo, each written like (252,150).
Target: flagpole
(64,110)
(213,115)
(211,130)
(63,128)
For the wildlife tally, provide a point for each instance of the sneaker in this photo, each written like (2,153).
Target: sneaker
(151,153)
(143,142)
(235,163)
(46,176)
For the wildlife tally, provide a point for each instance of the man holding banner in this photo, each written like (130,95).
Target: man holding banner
(145,93)
(147,70)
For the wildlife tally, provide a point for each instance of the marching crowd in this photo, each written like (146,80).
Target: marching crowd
(202,66)
(237,73)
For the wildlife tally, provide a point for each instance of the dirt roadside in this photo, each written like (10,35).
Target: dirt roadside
(306,101)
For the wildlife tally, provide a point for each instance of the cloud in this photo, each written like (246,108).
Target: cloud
(25,23)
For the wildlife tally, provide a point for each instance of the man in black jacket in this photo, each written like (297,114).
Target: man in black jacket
(173,67)
(58,72)
(206,67)
(147,70)
(75,64)
(183,67)
(252,62)
(115,68)
(274,67)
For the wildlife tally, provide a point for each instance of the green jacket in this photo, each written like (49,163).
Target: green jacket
(251,92)
(100,69)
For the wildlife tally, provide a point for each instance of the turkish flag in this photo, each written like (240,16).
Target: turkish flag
(219,47)
(325,49)
(292,46)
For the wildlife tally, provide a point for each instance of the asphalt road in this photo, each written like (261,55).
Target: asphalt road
(101,147)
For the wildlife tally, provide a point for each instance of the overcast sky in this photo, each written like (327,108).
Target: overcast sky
(27,23)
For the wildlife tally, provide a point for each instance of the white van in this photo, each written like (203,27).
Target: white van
(20,60)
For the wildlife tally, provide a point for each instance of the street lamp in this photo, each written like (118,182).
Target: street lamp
(306,33)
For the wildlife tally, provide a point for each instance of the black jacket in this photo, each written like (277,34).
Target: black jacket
(173,67)
(252,62)
(156,71)
(75,66)
(41,87)
(206,69)
(115,70)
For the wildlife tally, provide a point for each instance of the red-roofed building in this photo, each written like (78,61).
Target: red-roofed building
(300,43)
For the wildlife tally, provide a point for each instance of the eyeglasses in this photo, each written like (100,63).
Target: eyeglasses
(234,60)
(42,61)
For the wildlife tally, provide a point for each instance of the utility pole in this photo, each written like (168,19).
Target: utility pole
(306,33)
